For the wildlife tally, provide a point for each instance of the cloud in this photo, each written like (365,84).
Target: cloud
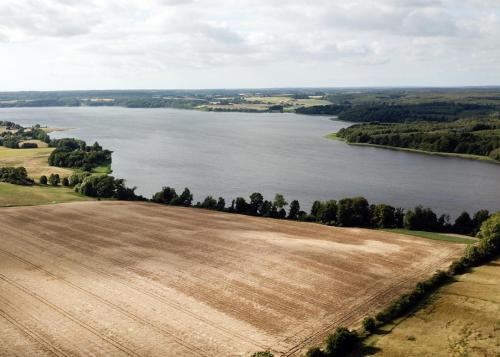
(211,37)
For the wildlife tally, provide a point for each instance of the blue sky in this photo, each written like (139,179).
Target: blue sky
(98,44)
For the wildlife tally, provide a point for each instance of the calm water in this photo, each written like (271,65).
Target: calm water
(235,154)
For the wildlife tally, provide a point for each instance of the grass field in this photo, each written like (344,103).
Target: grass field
(435,236)
(16,195)
(123,278)
(34,160)
(462,319)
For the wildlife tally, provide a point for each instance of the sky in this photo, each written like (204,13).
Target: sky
(183,44)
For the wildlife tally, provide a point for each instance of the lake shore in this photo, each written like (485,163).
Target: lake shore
(333,136)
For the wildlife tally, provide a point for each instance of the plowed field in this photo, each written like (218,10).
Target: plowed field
(140,279)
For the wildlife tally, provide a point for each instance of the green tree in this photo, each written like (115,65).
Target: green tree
(54,179)
(221,204)
(383,216)
(293,213)
(255,205)
(463,224)
(341,342)
(165,196)
(43,180)
(279,201)
(65,181)
(241,205)
(209,203)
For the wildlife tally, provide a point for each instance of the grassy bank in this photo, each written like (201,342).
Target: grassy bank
(334,136)
(16,195)
(433,236)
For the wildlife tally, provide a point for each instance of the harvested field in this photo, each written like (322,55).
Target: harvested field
(121,278)
(463,319)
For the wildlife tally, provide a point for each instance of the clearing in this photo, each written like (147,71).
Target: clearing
(34,160)
(462,319)
(124,278)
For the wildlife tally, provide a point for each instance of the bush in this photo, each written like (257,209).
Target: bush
(43,180)
(263,354)
(341,342)
(54,179)
(369,324)
(15,175)
(65,181)
(315,352)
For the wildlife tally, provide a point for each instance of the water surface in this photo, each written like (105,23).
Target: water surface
(235,154)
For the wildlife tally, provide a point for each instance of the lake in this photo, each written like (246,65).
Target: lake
(235,154)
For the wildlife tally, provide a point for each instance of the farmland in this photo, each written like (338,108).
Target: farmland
(462,319)
(127,278)
(34,160)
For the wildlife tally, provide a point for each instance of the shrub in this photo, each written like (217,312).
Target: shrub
(315,352)
(43,180)
(54,179)
(263,354)
(65,181)
(15,175)
(341,342)
(369,324)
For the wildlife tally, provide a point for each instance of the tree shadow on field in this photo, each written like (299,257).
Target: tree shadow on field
(365,351)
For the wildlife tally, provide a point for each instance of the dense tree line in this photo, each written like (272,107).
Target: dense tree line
(400,113)
(15,175)
(76,154)
(333,109)
(347,212)
(474,136)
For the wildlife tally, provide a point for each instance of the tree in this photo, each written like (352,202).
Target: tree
(369,324)
(479,217)
(463,224)
(185,199)
(341,342)
(65,181)
(317,210)
(165,196)
(279,201)
(209,203)
(266,208)
(241,205)
(43,180)
(293,213)
(423,219)
(255,205)
(383,216)
(221,204)
(353,212)
(54,179)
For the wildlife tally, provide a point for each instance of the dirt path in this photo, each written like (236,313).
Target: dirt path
(118,279)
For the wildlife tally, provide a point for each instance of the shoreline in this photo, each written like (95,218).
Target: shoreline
(486,159)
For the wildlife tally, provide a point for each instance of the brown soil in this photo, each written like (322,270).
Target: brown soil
(118,278)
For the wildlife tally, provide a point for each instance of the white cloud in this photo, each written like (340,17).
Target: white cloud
(217,43)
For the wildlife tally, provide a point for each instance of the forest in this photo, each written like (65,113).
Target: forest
(464,136)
